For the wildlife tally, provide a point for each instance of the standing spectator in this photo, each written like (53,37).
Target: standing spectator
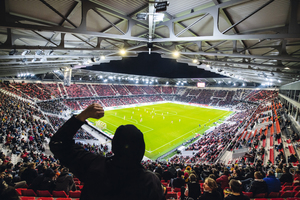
(272,182)
(119,177)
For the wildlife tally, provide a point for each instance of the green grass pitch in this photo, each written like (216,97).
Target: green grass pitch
(165,126)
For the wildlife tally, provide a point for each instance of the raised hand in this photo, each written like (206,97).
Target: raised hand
(92,111)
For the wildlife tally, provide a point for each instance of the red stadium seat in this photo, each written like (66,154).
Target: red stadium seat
(274,194)
(297,194)
(27,198)
(63,199)
(177,190)
(261,199)
(293,198)
(286,188)
(249,194)
(28,192)
(171,195)
(43,193)
(287,184)
(19,190)
(75,194)
(45,198)
(297,188)
(59,194)
(286,194)
(261,195)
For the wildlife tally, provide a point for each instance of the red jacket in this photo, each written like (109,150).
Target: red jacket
(224,181)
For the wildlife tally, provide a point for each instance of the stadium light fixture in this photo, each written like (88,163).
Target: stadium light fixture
(25,52)
(207,65)
(167,82)
(229,81)
(244,84)
(279,81)
(286,68)
(12,52)
(234,84)
(176,54)
(122,52)
(195,60)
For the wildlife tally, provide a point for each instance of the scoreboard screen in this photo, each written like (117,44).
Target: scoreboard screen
(201,84)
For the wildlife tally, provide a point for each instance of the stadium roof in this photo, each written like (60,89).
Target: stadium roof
(249,40)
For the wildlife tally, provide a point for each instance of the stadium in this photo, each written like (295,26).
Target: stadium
(212,85)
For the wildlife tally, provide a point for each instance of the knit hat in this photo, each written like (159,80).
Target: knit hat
(128,144)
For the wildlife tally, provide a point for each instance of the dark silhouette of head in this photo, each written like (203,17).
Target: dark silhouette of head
(128,144)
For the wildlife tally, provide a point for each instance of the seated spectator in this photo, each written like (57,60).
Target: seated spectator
(65,182)
(193,188)
(29,174)
(292,158)
(235,192)
(263,137)
(210,190)
(277,136)
(44,182)
(286,176)
(278,173)
(279,147)
(258,186)
(295,137)
(297,176)
(6,192)
(179,181)
(223,180)
(273,183)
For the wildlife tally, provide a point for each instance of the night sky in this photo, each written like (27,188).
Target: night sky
(153,65)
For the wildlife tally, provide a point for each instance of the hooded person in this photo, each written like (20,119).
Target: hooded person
(118,177)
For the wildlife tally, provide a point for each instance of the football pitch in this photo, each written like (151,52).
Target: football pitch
(165,126)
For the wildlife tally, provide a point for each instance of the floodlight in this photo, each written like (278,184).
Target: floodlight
(13,52)
(38,52)
(207,65)
(195,61)
(279,81)
(286,68)
(25,52)
(102,57)
(176,53)
(122,52)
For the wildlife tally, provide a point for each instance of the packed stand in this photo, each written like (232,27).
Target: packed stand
(32,90)
(134,89)
(104,90)
(53,106)
(120,89)
(78,90)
